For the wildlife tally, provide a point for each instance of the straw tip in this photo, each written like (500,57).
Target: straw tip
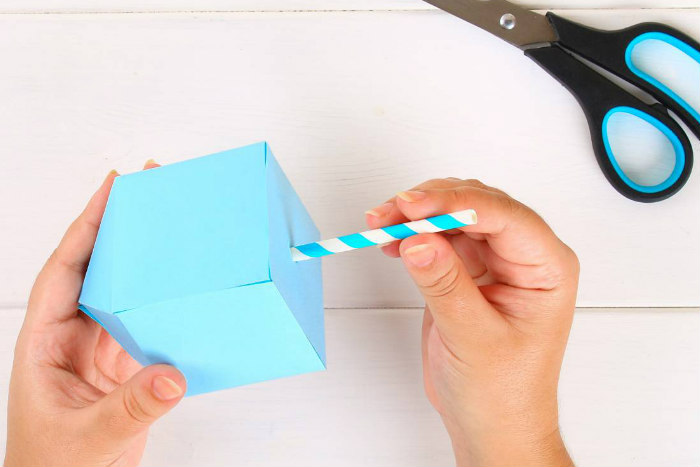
(467,217)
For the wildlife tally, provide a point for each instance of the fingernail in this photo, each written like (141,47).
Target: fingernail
(165,389)
(151,162)
(411,196)
(421,255)
(380,211)
(112,173)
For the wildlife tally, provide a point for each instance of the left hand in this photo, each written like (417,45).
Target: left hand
(76,397)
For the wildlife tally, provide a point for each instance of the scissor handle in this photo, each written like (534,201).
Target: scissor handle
(612,50)
(600,99)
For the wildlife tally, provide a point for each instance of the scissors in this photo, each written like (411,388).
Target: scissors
(554,42)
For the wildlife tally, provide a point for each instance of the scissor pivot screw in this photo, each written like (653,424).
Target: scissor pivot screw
(507,21)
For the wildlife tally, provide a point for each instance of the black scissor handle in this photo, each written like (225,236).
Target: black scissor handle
(600,98)
(612,50)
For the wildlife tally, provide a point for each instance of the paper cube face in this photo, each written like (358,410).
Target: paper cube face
(192,267)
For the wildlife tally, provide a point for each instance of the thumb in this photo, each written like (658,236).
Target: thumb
(443,280)
(131,408)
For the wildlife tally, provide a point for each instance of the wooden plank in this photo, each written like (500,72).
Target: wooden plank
(73,6)
(356,107)
(630,376)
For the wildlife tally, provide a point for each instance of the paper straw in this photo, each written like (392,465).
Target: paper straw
(384,235)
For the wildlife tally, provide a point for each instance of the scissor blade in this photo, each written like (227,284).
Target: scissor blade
(522,29)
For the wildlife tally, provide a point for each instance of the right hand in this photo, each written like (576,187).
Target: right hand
(500,297)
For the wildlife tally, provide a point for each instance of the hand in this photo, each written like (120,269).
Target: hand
(76,397)
(500,297)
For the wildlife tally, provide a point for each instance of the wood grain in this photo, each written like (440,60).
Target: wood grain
(630,395)
(356,107)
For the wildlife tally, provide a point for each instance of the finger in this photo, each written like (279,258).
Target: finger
(392,250)
(131,408)
(532,310)
(55,293)
(512,230)
(486,267)
(442,278)
(470,252)
(545,276)
(468,249)
(384,215)
(388,213)
(150,164)
(118,368)
(75,248)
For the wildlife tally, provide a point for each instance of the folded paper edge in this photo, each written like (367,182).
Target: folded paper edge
(200,293)
(320,353)
(118,331)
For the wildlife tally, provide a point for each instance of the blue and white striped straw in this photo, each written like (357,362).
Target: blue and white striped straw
(384,235)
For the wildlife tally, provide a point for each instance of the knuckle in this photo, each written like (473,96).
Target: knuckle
(512,206)
(443,284)
(514,209)
(574,265)
(134,408)
(58,259)
(461,196)
(476,183)
(440,183)
(565,268)
(552,275)
(55,259)
(473,182)
(496,190)
(456,197)
(433,182)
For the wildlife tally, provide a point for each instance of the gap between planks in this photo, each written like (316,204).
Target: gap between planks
(340,10)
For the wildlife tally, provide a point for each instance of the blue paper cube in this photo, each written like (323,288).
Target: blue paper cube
(192,267)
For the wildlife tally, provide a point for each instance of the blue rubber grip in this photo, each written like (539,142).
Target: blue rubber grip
(679,151)
(613,51)
(600,99)
(674,42)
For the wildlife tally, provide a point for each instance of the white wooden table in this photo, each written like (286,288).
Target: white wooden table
(359,99)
